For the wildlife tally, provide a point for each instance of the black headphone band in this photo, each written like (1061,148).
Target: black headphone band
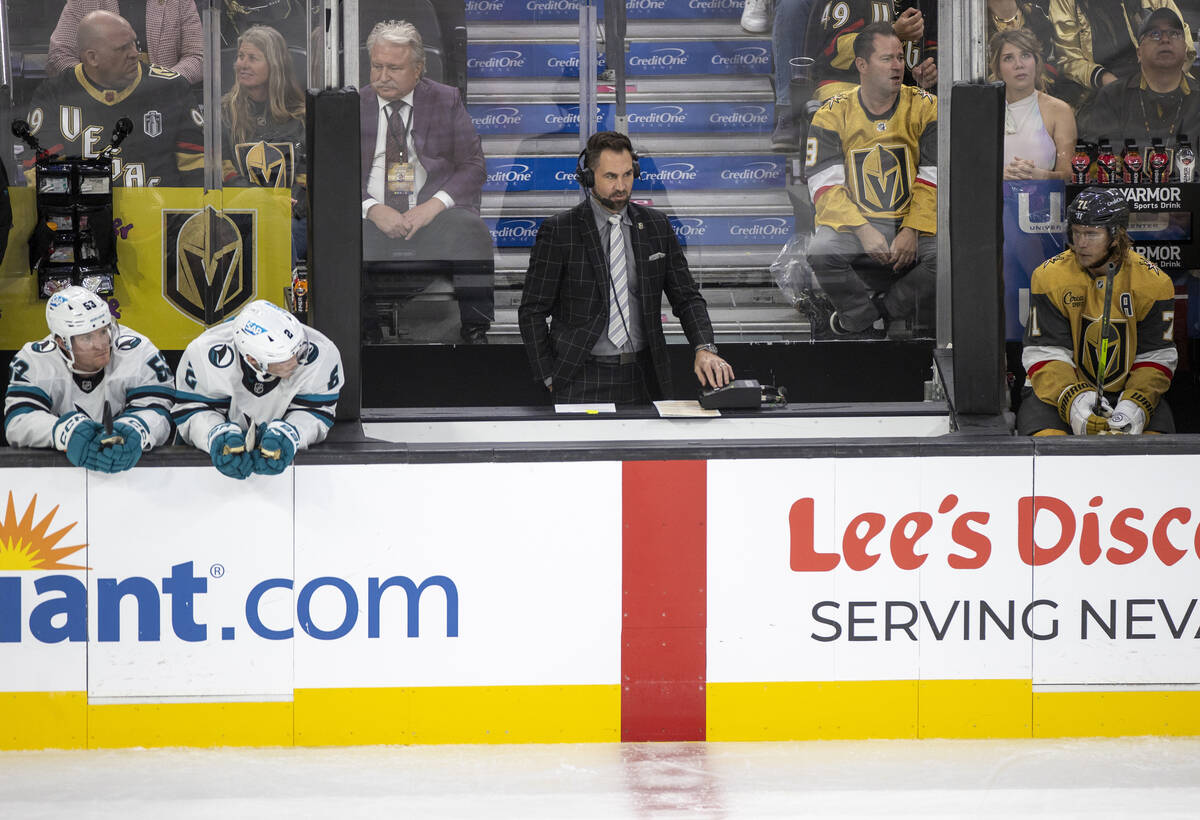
(586,177)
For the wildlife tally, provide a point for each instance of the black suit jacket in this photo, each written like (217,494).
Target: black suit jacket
(568,284)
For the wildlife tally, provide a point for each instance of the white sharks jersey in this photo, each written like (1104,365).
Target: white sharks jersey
(214,385)
(41,388)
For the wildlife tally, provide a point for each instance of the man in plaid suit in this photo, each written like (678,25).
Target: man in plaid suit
(598,272)
(423,173)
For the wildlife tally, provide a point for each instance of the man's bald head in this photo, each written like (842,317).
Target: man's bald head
(107,48)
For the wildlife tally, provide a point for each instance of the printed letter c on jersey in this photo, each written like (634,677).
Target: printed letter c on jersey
(210,261)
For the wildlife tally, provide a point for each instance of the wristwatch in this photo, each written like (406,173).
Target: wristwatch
(711,348)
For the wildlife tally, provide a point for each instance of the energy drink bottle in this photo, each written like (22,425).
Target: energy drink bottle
(1160,163)
(1081,163)
(1131,159)
(1185,160)
(1106,165)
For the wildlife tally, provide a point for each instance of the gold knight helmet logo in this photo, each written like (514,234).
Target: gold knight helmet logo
(1116,353)
(881,176)
(267,164)
(210,261)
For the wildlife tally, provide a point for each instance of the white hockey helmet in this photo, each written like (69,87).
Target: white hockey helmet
(75,311)
(265,334)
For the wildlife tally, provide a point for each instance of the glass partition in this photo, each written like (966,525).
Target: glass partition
(717,104)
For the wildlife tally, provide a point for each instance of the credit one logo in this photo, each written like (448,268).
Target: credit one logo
(61,612)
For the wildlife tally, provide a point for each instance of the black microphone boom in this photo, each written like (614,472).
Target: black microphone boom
(122,129)
(21,130)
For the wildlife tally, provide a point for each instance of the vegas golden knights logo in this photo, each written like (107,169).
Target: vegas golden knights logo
(881,176)
(1116,364)
(267,164)
(209,261)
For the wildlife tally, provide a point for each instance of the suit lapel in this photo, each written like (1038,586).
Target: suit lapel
(641,248)
(591,242)
(420,117)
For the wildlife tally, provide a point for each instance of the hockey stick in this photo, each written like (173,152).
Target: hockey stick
(110,438)
(241,448)
(1105,322)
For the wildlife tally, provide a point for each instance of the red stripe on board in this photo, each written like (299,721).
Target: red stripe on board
(664,599)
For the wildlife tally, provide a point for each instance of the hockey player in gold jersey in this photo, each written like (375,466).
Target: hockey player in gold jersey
(1099,349)
(872,174)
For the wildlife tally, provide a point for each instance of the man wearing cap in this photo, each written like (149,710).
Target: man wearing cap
(1157,102)
(1095,40)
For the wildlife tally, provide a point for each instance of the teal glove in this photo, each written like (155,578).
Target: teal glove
(116,458)
(78,436)
(227,448)
(277,443)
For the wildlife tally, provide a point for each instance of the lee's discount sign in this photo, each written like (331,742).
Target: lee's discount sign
(1067,571)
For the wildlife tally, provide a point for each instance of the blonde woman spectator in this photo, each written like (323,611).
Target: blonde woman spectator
(1039,130)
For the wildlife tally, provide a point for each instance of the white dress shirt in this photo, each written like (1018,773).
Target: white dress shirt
(375,181)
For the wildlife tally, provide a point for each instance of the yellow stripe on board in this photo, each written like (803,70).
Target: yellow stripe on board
(809,711)
(458,714)
(43,720)
(942,708)
(1115,714)
(189,724)
(974,708)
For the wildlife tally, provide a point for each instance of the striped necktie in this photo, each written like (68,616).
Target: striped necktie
(618,302)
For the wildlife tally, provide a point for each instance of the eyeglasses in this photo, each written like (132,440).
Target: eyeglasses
(1158,34)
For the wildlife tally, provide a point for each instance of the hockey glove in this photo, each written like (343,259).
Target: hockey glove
(277,444)
(78,436)
(227,448)
(1128,417)
(1077,407)
(116,458)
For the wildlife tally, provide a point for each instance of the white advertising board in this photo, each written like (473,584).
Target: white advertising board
(43,605)
(458,574)
(1119,542)
(193,545)
(868,569)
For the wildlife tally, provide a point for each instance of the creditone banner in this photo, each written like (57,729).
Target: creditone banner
(1035,229)
(644,118)
(485,11)
(659,173)
(177,253)
(652,59)
(520,232)
(669,600)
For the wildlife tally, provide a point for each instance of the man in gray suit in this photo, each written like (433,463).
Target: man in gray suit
(598,272)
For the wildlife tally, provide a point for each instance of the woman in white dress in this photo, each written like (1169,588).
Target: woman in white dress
(1039,130)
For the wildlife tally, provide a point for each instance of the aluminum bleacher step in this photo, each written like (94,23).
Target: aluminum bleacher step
(646,143)
(659,173)
(558,11)
(730,89)
(674,56)
(691,113)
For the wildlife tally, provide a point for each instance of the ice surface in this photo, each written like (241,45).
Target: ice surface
(930,778)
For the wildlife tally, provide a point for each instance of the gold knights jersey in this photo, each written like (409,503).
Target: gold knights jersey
(71,116)
(1062,337)
(862,167)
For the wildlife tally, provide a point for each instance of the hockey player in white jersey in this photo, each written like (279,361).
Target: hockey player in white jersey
(63,389)
(254,390)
